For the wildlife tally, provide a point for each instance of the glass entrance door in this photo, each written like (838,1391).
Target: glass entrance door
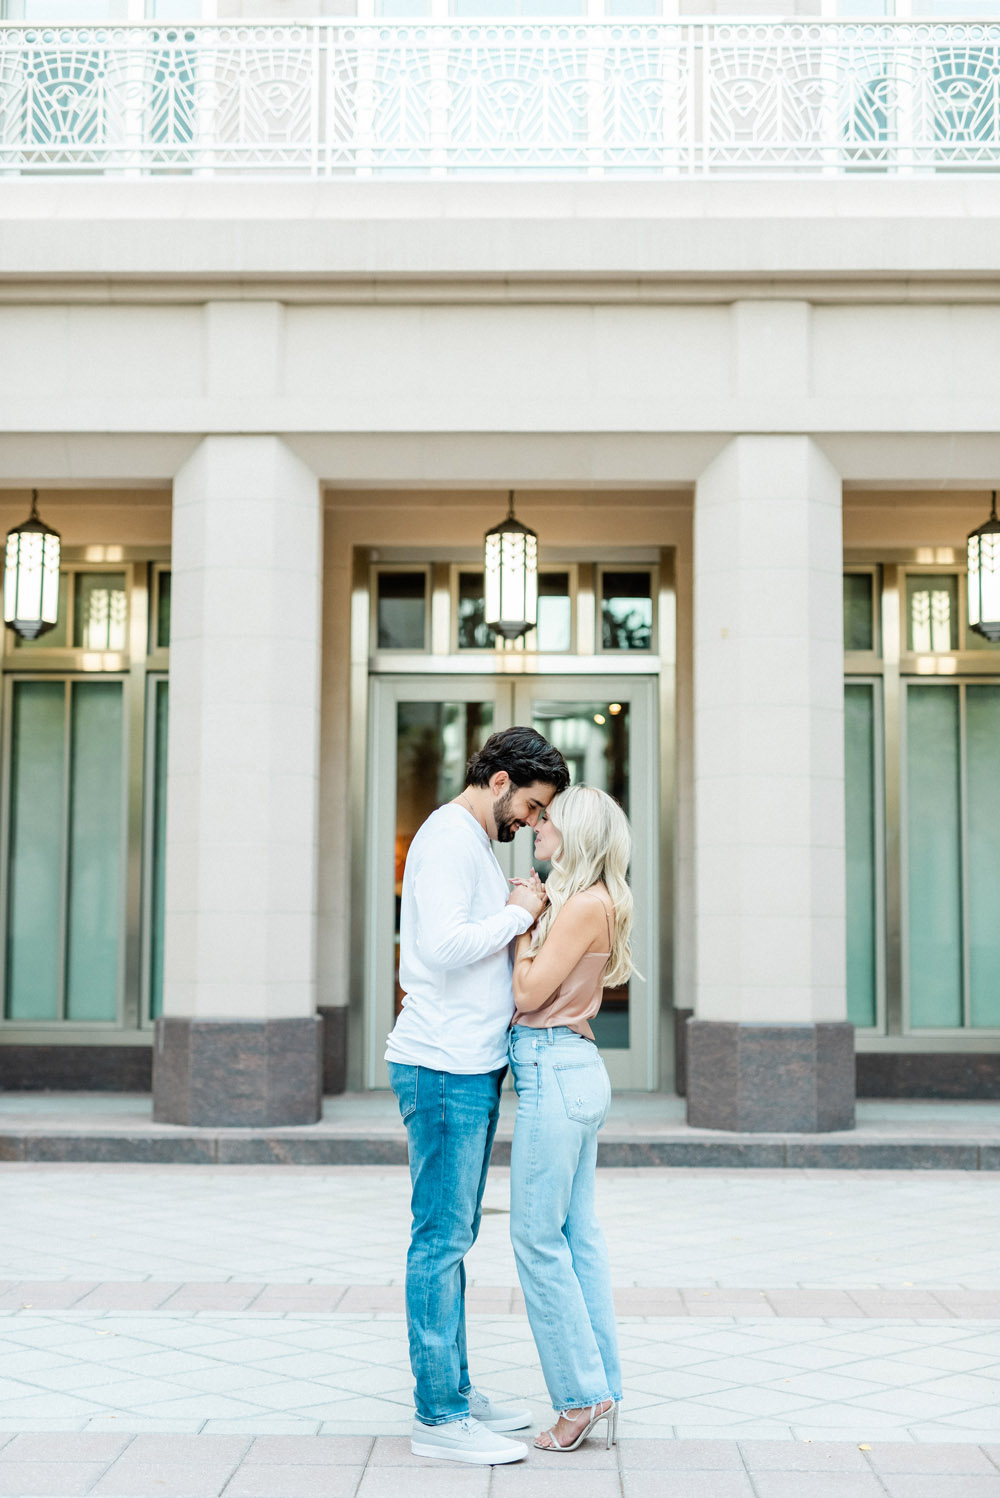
(604,728)
(424,729)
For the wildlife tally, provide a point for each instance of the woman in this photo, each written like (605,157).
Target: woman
(580,944)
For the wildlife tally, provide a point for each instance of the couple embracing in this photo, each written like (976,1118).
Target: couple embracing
(496,977)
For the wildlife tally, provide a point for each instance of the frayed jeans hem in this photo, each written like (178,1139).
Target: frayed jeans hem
(586,1404)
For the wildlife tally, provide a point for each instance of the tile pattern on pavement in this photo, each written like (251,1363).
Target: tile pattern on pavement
(349,1226)
(112,1466)
(233,1295)
(341,1374)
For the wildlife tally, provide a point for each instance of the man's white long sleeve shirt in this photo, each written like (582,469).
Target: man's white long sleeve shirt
(455,931)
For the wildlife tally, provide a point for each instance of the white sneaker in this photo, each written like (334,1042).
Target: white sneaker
(465,1441)
(497,1416)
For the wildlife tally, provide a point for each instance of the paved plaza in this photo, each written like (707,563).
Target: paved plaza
(232,1330)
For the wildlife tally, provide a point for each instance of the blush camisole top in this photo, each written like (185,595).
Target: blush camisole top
(578,997)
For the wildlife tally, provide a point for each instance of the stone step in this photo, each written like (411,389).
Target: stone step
(644,1130)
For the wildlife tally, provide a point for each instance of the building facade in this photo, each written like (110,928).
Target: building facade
(750,411)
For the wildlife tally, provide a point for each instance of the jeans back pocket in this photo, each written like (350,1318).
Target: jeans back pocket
(586,1091)
(403,1081)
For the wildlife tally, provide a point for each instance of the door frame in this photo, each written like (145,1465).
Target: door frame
(512,695)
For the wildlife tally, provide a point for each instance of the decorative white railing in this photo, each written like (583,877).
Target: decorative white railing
(467,98)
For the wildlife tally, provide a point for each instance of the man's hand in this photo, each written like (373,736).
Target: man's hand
(529,894)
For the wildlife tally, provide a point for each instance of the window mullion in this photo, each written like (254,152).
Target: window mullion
(65,871)
(963,833)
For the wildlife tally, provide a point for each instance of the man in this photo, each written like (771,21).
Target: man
(447,1059)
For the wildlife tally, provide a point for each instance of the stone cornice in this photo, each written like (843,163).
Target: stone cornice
(562,290)
(859,239)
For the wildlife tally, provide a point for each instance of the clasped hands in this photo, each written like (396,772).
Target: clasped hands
(529,894)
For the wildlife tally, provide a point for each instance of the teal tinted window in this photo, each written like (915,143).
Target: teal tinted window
(158,835)
(626,610)
(472,631)
(79,12)
(402,610)
(931,613)
(862,809)
(177,10)
(483,8)
(859,632)
(93,884)
(970,66)
(163,595)
(552,7)
(555,611)
(100,611)
(35,851)
(933,856)
(64,918)
(982,720)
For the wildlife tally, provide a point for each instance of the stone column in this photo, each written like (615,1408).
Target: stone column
(239,1042)
(769,1046)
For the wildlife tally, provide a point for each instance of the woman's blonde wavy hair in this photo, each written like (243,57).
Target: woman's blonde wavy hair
(595,848)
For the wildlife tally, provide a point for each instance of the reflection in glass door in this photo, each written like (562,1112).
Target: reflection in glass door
(424,730)
(593,738)
(605,728)
(434,742)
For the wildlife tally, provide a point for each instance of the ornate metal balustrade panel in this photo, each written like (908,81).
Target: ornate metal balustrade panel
(475,98)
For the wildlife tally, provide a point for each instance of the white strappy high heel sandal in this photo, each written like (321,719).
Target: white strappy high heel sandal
(597,1414)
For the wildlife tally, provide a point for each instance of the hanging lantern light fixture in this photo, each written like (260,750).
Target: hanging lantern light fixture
(984,577)
(511,576)
(31,576)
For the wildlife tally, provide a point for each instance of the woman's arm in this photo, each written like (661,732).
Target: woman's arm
(572,934)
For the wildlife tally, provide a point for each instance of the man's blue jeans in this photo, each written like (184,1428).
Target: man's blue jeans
(450,1123)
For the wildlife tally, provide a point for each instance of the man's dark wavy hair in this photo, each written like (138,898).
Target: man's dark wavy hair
(524,754)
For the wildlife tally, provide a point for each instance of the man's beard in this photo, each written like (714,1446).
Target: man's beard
(506,825)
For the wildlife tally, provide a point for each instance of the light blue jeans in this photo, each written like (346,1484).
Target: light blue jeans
(450,1123)
(562,1259)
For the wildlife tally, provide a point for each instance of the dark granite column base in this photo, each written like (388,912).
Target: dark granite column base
(238,1073)
(762,1079)
(334,1049)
